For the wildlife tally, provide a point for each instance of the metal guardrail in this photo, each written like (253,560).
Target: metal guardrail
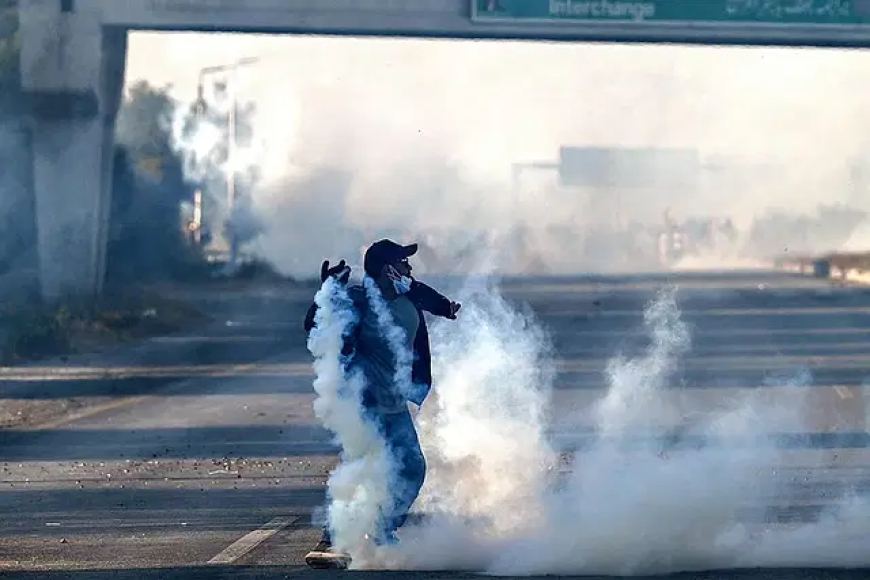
(829,265)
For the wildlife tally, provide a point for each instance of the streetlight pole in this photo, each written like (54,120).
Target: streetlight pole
(517,170)
(517,232)
(200,107)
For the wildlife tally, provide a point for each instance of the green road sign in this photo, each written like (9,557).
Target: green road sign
(801,12)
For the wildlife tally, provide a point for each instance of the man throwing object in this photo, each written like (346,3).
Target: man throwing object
(383,400)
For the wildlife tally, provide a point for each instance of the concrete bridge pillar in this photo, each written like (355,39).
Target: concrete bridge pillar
(72,72)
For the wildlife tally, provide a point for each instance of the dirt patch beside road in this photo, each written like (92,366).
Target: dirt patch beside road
(33,332)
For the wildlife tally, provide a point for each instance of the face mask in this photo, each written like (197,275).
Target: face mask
(402,284)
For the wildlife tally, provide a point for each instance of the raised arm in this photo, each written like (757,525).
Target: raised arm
(342,273)
(430,300)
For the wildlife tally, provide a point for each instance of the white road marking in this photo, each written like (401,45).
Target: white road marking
(844,392)
(250,541)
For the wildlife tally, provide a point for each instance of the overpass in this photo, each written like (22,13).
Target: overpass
(73,55)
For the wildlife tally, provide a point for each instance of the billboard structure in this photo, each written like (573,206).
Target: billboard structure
(629,168)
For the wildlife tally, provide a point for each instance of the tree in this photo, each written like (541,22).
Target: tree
(146,240)
(17,209)
(10,79)
(144,128)
(168,151)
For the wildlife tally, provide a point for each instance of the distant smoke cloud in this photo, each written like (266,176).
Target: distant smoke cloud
(363,138)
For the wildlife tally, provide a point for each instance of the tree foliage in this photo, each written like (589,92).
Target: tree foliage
(10,80)
(143,127)
(17,209)
(167,151)
(146,239)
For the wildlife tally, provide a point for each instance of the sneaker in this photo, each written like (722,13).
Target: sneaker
(323,556)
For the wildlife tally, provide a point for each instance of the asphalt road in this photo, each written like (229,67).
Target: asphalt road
(216,472)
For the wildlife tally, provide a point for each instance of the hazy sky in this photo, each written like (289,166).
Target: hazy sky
(388,111)
(492,102)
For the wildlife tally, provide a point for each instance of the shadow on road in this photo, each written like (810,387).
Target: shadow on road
(149,371)
(118,382)
(748,332)
(726,371)
(85,512)
(295,440)
(165,443)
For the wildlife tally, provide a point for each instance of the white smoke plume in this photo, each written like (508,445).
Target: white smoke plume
(359,486)
(623,506)
(213,155)
(634,398)
(394,336)
(661,488)
(359,490)
(483,432)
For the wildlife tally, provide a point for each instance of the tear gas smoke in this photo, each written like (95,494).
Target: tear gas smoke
(387,137)
(629,503)
(358,487)
(213,156)
(394,336)
(368,138)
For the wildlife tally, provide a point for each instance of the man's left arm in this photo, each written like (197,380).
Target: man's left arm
(430,300)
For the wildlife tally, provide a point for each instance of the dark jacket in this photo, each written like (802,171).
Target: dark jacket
(425,299)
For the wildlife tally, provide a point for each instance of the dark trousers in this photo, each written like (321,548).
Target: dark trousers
(407,476)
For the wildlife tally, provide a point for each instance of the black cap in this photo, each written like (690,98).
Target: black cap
(385,252)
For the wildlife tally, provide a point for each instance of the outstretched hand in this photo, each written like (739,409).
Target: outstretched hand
(454,310)
(340,271)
